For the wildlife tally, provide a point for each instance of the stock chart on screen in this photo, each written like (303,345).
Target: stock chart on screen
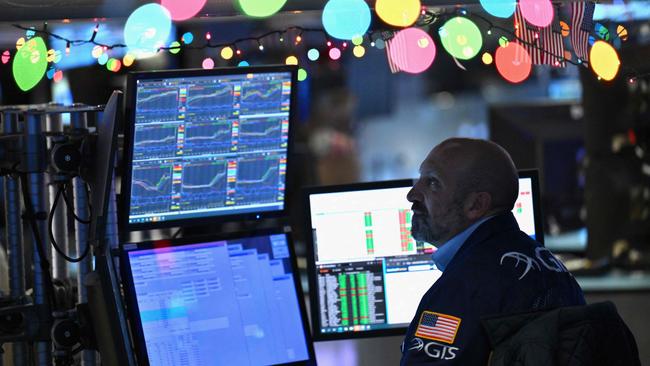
(209,145)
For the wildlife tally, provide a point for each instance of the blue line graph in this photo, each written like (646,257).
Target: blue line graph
(257,180)
(260,134)
(208,138)
(204,185)
(156,105)
(154,141)
(207,97)
(157,100)
(151,189)
(263,97)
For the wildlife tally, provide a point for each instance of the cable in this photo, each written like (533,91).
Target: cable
(71,207)
(51,232)
(90,204)
(177,232)
(77,349)
(30,215)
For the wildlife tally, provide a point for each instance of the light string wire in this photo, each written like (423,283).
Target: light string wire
(428,18)
(208,43)
(512,33)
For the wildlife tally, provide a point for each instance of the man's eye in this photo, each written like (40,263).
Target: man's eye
(434,183)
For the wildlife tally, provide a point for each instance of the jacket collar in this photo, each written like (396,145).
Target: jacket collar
(497,224)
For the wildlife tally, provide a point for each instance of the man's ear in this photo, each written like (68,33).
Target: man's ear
(477,205)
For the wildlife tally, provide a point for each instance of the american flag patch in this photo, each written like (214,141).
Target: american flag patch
(437,327)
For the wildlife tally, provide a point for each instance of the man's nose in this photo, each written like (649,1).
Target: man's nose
(412,195)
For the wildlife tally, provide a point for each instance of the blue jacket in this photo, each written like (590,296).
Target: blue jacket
(499,270)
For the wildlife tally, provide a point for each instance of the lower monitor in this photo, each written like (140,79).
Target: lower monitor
(367,274)
(217,301)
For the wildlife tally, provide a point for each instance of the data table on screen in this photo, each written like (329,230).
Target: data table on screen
(369,271)
(216,303)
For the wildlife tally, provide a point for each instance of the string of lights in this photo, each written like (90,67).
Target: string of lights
(492,26)
(208,43)
(376,37)
(428,18)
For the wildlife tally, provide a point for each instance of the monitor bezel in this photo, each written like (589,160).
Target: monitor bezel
(533,174)
(317,335)
(311,262)
(131,297)
(129,134)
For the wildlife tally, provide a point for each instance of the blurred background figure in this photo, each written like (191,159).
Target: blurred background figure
(331,139)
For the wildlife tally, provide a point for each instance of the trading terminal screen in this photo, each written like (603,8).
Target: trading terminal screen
(524,209)
(229,302)
(366,271)
(208,145)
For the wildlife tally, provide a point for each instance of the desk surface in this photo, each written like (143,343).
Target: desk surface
(616,281)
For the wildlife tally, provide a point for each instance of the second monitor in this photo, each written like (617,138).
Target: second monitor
(217,300)
(367,274)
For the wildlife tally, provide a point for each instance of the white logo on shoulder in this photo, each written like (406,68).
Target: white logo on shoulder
(548,260)
(544,258)
(416,345)
(434,349)
(521,258)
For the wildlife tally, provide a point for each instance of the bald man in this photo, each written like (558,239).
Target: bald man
(462,204)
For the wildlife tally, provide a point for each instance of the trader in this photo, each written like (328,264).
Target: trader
(462,204)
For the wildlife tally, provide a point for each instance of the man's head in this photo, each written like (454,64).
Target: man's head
(461,181)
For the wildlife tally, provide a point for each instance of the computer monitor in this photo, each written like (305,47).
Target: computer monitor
(206,144)
(233,300)
(528,207)
(366,273)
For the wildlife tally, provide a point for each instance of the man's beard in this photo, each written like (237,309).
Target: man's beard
(422,229)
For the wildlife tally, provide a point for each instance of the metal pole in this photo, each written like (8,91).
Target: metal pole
(59,222)
(14,239)
(37,188)
(80,120)
(112,233)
